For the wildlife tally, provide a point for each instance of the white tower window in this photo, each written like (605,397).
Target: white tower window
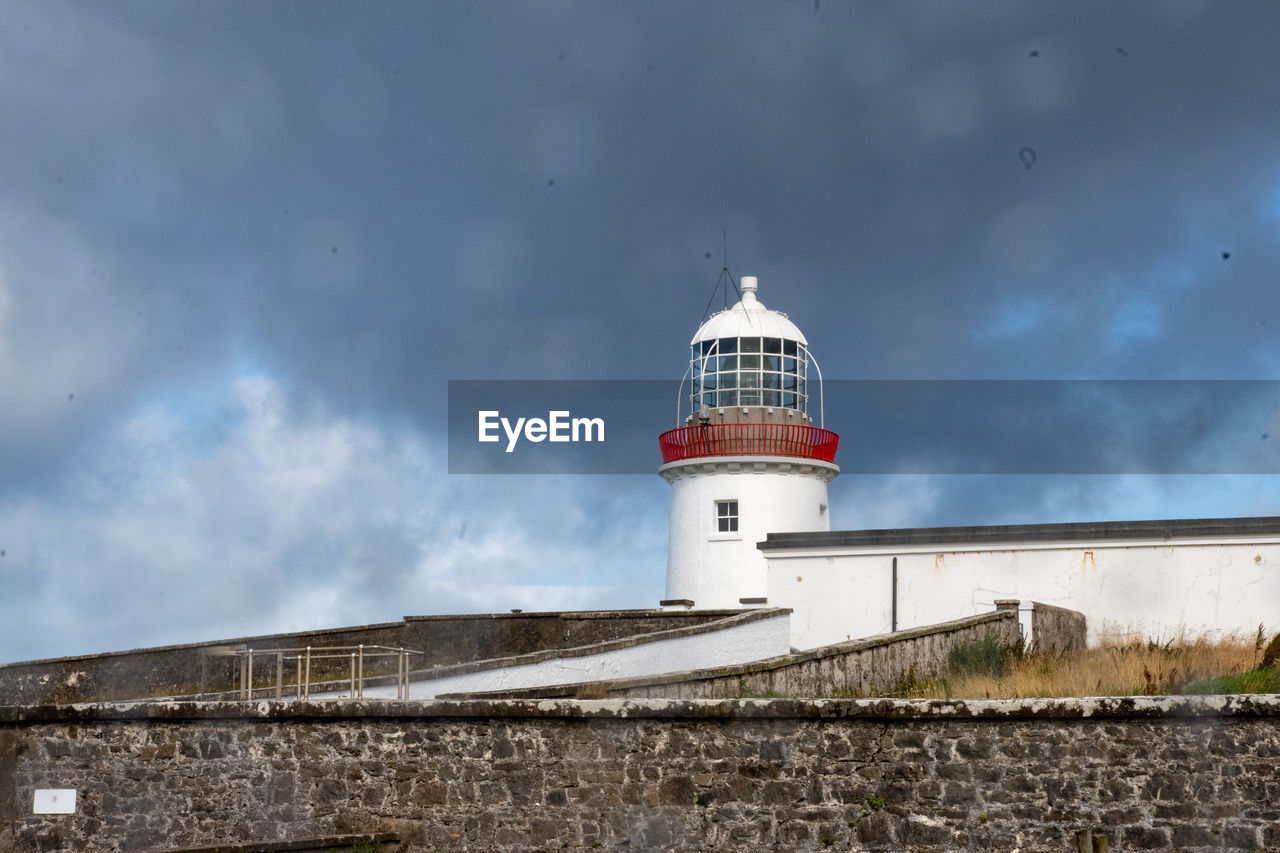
(726,516)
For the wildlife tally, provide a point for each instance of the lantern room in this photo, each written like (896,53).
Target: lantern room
(748,356)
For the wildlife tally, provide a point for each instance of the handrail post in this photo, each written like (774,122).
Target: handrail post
(298,683)
(308,679)
(279,676)
(353,675)
(361,681)
(249,681)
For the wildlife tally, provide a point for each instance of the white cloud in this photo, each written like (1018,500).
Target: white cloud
(294,521)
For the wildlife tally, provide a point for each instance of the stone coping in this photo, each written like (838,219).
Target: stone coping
(1059,532)
(779,662)
(1208,708)
(580,615)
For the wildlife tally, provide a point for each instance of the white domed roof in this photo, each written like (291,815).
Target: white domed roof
(748,318)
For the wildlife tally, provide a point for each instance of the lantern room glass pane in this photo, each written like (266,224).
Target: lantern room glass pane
(728,398)
(788,347)
(769,398)
(773,344)
(728,362)
(750,344)
(749,398)
(728,380)
(789,365)
(727,345)
(772,362)
(750,380)
(788,400)
(771,380)
(750,362)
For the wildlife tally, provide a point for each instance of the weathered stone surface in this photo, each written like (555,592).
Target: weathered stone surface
(1056,629)
(781,774)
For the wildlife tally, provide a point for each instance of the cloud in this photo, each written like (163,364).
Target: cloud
(177,177)
(67,334)
(295,519)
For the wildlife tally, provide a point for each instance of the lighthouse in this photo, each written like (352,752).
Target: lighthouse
(748,459)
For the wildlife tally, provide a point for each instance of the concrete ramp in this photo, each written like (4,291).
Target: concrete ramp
(738,639)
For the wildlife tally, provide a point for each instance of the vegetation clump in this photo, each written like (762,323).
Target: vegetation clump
(1124,664)
(990,656)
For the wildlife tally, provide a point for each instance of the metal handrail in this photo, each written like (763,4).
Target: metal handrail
(304,655)
(791,440)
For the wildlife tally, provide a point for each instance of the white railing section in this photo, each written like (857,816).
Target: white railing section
(302,658)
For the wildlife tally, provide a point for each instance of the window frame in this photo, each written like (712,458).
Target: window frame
(720,366)
(728,515)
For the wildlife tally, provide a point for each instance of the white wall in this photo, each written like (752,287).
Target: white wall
(715,570)
(1157,586)
(741,643)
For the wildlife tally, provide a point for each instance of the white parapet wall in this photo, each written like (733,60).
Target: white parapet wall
(1123,578)
(749,636)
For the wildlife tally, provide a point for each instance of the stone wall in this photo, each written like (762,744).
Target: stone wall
(187,669)
(1056,629)
(163,670)
(868,667)
(1150,773)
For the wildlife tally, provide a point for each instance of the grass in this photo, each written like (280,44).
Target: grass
(1254,681)
(1124,664)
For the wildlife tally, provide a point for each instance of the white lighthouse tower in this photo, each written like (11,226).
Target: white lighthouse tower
(748,459)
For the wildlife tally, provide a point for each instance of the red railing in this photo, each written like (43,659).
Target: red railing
(806,442)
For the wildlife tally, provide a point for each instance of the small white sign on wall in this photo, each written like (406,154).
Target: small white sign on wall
(55,801)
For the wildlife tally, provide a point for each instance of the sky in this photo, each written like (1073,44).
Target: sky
(244,246)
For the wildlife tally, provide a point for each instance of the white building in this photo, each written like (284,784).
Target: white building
(749,524)
(748,460)
(1159,577)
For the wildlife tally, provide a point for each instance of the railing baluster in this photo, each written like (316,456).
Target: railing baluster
(734,439)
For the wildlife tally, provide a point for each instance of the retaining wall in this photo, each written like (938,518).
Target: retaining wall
(1056,629)
(1150,773)
(868,667)
(187,669)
